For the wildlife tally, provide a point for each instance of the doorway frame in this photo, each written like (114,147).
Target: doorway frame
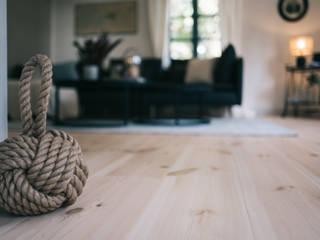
(3,71)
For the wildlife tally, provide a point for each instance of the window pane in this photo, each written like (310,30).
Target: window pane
(209,27)
(180,50)
(209,48)
(208,7)
(181,27)
(181,8)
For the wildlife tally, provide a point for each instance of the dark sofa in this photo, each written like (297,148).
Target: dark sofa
(219,93)
(163,87)
(226,89)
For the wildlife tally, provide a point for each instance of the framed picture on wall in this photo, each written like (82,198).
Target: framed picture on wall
(111,17)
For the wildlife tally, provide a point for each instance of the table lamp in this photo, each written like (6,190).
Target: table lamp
(300,47)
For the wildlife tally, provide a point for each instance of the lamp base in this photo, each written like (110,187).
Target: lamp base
(301,62)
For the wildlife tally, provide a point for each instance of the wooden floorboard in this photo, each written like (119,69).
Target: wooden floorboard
(190,187)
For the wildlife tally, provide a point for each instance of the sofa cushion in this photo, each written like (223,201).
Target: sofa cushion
(223,70)
(177,71)
(200,71)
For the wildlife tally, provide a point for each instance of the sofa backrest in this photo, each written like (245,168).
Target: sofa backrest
(177,71)
(223,70)
(234,75)
(237,77)
(151,69)
(66,70)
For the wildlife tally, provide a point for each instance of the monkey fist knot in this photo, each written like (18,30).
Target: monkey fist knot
(40,175)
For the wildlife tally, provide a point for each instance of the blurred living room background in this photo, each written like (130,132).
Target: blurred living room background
(198,119)
(167,59)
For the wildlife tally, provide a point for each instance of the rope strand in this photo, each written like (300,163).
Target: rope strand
(36,127)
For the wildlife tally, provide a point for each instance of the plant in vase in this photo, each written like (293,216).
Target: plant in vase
(92,53)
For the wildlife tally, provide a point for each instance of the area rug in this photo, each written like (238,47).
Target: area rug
(217,126)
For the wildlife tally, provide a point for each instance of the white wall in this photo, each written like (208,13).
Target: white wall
(266,51)
(63,34)
(3,71)
(28,29)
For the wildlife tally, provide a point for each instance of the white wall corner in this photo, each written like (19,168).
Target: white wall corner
(3,71)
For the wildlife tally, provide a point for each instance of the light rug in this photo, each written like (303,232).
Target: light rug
(216,127)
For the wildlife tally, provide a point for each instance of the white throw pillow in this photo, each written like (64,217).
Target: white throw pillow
(200,71)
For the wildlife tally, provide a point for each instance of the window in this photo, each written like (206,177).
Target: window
(194,29)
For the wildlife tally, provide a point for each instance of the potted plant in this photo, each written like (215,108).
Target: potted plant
(92,53)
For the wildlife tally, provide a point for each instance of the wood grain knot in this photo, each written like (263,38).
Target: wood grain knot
(182,172)
(141,151)
(164,166)
(214,168)
(314,155)
(224,152)
(282,188)
(74,210)
(203,213)
(236,144)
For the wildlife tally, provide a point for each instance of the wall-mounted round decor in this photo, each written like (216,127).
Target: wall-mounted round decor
(293,10)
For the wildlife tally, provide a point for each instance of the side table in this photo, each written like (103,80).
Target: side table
(300,92)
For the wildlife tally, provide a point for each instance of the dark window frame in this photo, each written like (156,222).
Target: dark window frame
(195,38)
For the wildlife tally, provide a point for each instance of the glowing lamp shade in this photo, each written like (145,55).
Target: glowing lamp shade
(301,46)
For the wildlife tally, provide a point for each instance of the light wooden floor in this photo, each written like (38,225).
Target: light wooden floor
(190,187)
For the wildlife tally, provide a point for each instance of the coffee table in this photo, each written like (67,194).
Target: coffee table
(135,97)
(93,89)
(175,93)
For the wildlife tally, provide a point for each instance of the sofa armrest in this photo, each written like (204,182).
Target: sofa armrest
(238,78)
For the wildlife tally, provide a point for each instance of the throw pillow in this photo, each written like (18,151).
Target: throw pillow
(223,70)
(200,71)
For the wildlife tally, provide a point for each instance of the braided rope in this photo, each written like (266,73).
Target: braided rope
(39,170)
(38,127)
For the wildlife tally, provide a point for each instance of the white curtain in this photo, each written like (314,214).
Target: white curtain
(231,23)
(158,13)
